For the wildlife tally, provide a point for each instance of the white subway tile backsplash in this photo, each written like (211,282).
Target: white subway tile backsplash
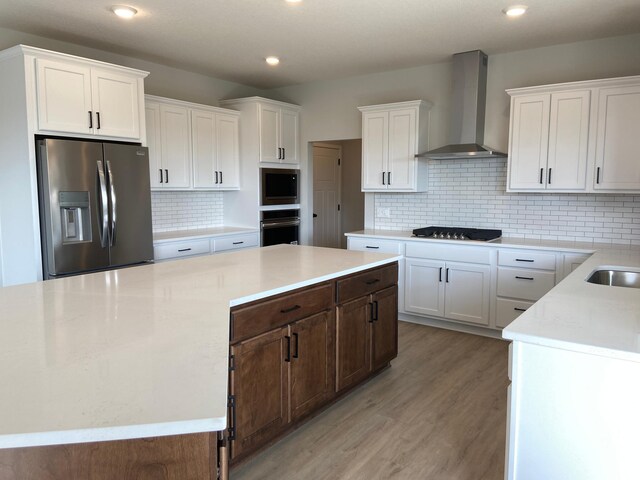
(186,210)
(471,193)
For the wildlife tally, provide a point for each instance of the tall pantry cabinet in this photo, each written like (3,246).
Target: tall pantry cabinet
(49,93)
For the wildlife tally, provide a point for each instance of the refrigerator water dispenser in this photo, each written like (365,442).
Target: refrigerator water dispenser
(76,217)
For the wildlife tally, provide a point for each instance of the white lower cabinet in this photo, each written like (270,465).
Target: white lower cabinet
(448,289)
(174,249)
(524,276)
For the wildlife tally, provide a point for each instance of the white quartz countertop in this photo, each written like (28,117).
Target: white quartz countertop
(507,242)
(141,351)
(172,236)
(584,317)
(574,315)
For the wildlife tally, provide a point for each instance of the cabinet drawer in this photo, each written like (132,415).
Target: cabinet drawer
(254,319)
(527,259)
(455,253)
(524,283)
(367,282)
(235,242)
(375,245)
(508,310)
(181,249)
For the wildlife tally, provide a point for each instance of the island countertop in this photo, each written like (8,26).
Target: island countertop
(141,351)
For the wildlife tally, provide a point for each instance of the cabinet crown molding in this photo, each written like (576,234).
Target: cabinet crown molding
(583,84)
(387,106)
(254,99)
(23,50)
(186,104)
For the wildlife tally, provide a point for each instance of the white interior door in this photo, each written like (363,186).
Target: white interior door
(326,196)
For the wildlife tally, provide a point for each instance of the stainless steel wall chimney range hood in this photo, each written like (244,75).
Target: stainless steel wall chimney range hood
(467,110)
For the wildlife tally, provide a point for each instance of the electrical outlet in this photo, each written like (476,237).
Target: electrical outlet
(383,212)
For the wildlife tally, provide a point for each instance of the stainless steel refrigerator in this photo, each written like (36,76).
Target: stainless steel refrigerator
(95,206)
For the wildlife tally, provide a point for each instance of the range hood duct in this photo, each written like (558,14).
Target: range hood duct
(467,110)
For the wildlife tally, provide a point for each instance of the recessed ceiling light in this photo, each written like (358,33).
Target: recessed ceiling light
(272,61)
(515,10)
(294,1)
(124,11)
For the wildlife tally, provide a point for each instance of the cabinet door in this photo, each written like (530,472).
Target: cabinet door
(353,342)
(203,145)
(467,292)
(228,151)
(116,104)
(402,149)
(259,386)
(152,119)
(529,142)
(375,150)
(312,363)
(617,165)
(175,140)
(289,135)
(571,261)
(64,97)
(568,140)
(424,287)
(269,133)
(384,329)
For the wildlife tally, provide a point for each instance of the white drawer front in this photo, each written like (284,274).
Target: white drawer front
(181,249)
(237,241)
(375,245)
(527,259)
(508,310)
(524,283)
(455,253)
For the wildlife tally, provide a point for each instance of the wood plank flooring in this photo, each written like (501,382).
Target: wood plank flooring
(438,413)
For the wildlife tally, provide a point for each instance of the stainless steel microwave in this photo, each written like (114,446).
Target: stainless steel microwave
(280,186)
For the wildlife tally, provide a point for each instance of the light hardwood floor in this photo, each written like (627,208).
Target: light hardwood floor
(438,413)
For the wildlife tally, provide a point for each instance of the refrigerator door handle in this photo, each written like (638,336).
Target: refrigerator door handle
(103,203)
(112,194)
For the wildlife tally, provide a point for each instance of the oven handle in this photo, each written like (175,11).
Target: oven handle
(288,223)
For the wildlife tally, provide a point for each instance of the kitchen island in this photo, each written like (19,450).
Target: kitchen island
(139,352)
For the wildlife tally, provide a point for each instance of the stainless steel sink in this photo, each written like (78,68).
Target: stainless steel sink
(615,278)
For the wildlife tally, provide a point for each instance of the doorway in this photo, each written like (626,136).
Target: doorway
(338,202)
(326,195)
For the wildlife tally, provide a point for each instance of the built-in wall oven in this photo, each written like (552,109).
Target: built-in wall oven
(280,226)
(280,186)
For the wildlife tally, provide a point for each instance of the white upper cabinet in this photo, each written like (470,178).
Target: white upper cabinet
(81,98)
(575,137)
(549,140)
(192,146)
(392,135)
(278,134)
(618,129)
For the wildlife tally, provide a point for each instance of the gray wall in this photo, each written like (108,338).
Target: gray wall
(330,113)
(162,80)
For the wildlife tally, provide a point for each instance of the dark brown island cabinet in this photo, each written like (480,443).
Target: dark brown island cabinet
(291,355)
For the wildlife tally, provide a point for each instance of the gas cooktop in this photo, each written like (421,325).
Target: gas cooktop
(457,233)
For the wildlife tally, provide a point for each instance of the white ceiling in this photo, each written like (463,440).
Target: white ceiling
(316,39)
